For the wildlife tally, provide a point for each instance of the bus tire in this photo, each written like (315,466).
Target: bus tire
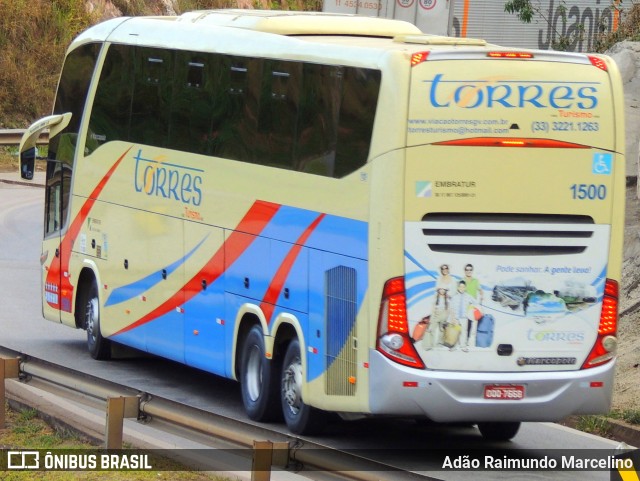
(499,431)
(258,378)
(300,417)
(98,346)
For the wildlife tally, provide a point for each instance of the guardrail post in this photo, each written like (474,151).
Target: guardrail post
(119,408)
(9,368)
(261,466)
(265,455)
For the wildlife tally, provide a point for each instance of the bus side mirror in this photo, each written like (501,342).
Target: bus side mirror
(28,152)
(28,163)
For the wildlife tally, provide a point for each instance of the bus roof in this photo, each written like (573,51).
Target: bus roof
(356,40)
(301,23)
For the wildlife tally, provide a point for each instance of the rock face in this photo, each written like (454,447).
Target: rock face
(105,9)
(627,56)
(627,389)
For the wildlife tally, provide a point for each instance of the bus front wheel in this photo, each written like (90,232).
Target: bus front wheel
(300,417)
(98,346)
(498,431)
(258,379)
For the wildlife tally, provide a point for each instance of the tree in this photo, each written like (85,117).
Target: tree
(526,10)
(522,8)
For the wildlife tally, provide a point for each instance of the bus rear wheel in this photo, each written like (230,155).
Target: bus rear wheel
(258,379)
(300,417)
(98,346)
(499,431)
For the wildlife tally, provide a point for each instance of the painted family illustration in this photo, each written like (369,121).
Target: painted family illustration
(460,317)
(456,320)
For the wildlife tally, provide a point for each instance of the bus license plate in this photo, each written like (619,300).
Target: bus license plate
(507,393)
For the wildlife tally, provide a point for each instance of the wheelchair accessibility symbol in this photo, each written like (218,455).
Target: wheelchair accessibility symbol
(602,164)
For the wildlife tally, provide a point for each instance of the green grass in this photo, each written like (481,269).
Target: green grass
(597,425)
(631,416)
(600,426)
(25,430)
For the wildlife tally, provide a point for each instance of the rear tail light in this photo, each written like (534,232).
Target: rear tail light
(510,55)
(512,142)
(418,58)
(598,62)
(605,346)
(393,327)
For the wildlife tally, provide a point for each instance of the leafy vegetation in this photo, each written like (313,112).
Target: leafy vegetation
(631,416)
(33,38)
(629,29)
(34,35)
(597,425)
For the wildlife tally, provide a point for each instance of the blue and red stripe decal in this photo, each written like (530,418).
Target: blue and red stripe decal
(56,274)
(254,221)
(275,288)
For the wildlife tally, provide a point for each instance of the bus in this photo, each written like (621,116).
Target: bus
(342,213)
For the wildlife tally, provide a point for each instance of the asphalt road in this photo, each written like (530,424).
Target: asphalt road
(404,443)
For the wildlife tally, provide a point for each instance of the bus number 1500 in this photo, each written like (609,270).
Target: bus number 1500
(589,191)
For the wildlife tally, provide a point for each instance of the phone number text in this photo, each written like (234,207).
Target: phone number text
(563,126)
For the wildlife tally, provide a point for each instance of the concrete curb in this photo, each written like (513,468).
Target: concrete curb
(23,183)
(15,179)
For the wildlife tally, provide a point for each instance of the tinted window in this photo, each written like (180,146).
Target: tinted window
(111,113)
(152,95)
(357,113)
(192,104)
(70,97)
(280,104)
(293,115)
(318,113)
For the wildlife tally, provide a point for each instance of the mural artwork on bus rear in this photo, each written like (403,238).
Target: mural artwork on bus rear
(475,312)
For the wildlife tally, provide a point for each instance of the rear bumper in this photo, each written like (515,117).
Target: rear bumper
(459,396)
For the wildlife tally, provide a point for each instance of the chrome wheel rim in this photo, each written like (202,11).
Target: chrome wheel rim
(292,384)
(92,319)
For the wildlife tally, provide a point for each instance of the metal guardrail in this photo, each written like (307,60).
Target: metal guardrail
(299,453)
(13,136)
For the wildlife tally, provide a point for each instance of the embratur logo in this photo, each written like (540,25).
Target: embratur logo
(424,188)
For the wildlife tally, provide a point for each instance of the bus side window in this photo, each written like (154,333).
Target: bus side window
(279,113)
(71,96)
(318,119)
(236,109)
(358,109)
(153,82)
(192,104)
(111,112)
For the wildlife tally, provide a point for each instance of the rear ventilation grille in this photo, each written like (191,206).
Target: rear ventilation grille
(341,310)
(507,234)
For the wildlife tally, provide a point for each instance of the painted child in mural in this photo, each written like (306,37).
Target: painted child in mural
(470,326)
(461,304)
